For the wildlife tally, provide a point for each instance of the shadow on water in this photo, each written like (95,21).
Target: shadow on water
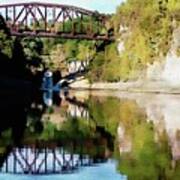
(13,114)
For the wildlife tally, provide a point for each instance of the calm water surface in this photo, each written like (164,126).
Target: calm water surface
(90,136)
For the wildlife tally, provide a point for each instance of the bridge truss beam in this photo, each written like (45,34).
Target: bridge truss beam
(54,20)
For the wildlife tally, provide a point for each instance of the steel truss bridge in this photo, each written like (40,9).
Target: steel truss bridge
(55,20)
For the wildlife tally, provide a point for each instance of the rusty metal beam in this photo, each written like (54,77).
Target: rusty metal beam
(62,35)
(51,5)
(22,12)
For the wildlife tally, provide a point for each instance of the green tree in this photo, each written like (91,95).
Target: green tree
(58,58)
(32,49)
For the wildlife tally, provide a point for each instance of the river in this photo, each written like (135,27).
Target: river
(90,135)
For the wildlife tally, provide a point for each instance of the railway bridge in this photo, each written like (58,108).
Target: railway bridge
(55,20)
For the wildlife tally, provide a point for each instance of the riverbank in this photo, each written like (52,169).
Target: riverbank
(131,86)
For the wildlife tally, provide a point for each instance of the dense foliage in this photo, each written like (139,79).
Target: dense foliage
(20,57)
(144,29)
(59,53)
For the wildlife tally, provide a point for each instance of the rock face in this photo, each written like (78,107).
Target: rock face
(162,76)
(154,71)
(169,70)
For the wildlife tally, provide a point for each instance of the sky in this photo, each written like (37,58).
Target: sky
(103,6)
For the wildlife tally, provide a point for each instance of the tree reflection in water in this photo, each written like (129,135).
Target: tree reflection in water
(142,148)
(32,143)
(77,131)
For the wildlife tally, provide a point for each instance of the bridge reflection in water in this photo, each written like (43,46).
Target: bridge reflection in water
(34,150)
(45,160)
(56,156)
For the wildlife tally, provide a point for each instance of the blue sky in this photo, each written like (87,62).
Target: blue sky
(104,6)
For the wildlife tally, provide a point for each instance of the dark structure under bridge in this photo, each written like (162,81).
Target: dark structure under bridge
(44,160)
(55,20)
